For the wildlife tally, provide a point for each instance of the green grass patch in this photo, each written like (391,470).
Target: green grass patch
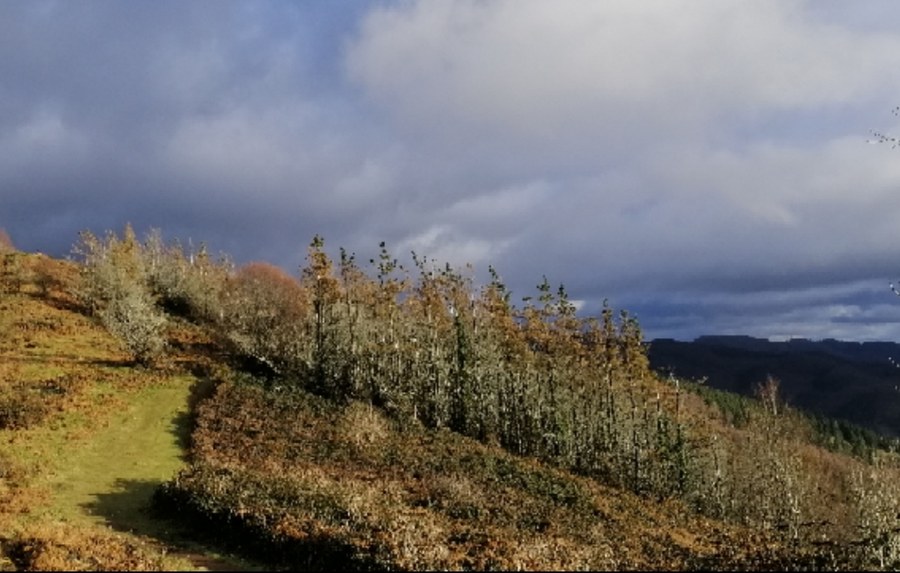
(125,455)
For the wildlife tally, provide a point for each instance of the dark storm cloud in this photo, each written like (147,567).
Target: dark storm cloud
(705,168)
(193,116)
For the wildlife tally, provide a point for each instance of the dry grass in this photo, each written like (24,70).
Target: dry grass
(60,546)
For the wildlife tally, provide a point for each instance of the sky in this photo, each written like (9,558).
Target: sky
(707,165)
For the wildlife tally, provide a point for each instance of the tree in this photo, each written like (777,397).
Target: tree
(263,316)
(768,394)
(114,287)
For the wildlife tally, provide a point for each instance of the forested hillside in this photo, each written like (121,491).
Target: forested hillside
(370,416)
(856,382)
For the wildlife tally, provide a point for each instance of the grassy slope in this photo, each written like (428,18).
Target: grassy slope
(76,481)
(109,478)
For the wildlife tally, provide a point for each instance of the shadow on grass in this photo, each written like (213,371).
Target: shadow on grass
(129,509)
(59,301)
(184,422)
(181,427)
(129,506)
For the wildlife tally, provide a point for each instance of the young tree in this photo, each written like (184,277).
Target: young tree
(114,288)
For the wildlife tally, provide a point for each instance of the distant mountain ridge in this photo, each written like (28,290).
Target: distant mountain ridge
(858,351)
(854,381)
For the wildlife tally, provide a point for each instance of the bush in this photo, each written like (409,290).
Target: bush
(133,318)
(114,287)
(264,314)
(186,284)
(13,273)
(64,547)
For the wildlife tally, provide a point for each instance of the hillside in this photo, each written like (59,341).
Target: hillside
(846,380)
(121,454)
(85,437)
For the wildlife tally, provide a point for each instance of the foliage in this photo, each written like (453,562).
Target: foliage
(734,408)
(115,288)
(877,498)
(131,286)
(21,406)
(263,310)
(310,483)
(67,548)
(185,283)
(13,274)
(843,436)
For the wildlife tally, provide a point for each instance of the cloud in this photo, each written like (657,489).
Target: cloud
(662,156)
(556,71)
(633,113)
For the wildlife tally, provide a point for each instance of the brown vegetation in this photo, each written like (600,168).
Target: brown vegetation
(313,484)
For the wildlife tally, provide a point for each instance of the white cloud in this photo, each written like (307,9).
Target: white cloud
(443,244)
(675,145)
(556,70)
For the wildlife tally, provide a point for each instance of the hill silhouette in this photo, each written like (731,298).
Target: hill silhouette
(853,381)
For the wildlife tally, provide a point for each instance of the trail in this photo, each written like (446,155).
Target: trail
(112,433)
(110,478)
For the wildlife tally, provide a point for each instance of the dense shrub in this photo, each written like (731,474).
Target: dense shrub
(114,287)
(132,316)
(64,547)
(264,313)
(130,286)
(189,284)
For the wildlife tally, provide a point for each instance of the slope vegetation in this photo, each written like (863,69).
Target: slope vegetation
(86,438)
(393,422)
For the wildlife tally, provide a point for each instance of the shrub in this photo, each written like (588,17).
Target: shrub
(133,318)
(64,547)
(114,287)
(21,407)
(6,244)
(13,273)
(264,310)
(877,501)
(46,275)
(187,284)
